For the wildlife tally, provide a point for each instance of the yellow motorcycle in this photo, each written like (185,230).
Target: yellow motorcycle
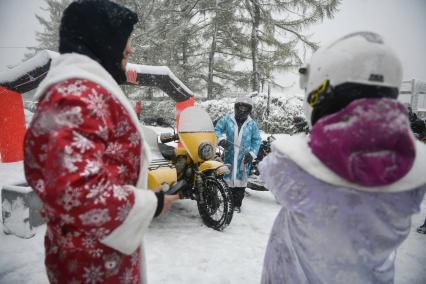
(190,170)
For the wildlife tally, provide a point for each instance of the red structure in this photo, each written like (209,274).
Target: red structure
(12,126)
(14,83)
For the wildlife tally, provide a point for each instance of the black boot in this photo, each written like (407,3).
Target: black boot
(422,228)
(238,196)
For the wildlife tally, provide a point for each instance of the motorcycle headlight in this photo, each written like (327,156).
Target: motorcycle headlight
(206,151)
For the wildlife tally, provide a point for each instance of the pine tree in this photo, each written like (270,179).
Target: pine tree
(276,31)
(210,44)
(167,34)
(224,52)
(48,38)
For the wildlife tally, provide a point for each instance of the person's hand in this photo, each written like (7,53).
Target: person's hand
(248,158)
(168,200)
(223,143)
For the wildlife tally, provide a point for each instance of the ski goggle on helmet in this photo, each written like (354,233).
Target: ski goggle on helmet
(358,65)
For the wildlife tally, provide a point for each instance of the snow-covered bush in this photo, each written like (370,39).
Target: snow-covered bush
(280,119)
(218,108)
(281,112)
(152,110)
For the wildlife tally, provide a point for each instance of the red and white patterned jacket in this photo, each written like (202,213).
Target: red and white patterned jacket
(86,159)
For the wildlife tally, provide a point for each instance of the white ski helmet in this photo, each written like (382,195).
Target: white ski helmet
(359,59)
(244,100)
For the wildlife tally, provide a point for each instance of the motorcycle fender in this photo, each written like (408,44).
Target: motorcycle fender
(162,175)
(210,165)
(219,168)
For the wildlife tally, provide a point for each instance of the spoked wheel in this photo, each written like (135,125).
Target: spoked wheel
(216,209)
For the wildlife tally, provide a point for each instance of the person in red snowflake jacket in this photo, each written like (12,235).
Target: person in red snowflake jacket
(85,155)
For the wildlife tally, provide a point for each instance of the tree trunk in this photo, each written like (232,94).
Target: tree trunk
(254,41)
(211,65)
(185,61)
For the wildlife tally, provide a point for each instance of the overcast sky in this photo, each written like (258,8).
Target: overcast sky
(402,23)
(18,25)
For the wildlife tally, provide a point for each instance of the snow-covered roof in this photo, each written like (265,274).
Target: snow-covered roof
(40,59)
(161,77)
(27,75)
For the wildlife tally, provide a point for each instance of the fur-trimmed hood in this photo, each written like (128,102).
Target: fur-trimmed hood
(297,149)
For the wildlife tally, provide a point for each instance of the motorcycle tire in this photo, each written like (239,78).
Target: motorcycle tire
(217,209)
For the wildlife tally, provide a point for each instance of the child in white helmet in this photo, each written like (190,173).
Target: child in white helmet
(348,190)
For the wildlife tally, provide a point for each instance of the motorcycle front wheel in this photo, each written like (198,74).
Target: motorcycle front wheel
(215,206)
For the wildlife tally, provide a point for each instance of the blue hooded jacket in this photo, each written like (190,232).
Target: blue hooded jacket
(247,140)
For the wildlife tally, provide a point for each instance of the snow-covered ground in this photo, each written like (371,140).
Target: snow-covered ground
(180,249)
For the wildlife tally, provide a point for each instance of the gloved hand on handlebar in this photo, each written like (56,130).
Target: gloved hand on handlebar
(248,158)
(223,143)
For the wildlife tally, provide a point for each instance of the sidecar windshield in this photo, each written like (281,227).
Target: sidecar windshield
(195,119)
(150,137)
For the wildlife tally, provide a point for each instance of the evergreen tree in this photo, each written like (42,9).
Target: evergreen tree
(213,45)
(276,31)
(167,34)
(224,52)
(48,38)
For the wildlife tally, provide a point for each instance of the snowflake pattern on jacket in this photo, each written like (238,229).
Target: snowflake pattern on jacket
(82,157)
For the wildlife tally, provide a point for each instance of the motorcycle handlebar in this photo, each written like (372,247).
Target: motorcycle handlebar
(168,137)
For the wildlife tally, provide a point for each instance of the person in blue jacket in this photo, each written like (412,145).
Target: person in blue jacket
(239,136)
